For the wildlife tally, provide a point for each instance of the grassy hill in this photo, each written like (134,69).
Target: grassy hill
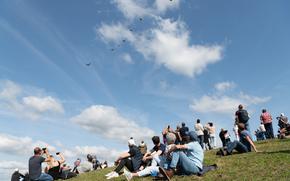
(273,163)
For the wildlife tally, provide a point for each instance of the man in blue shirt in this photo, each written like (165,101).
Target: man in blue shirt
(188,156)
(242,146)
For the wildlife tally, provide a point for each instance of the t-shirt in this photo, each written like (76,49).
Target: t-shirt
(136,156)
(198,129)
(266,117)
(242,115)
(243,139)
(35,166)
(55,172)
(161,147)
(195,153)
(183,131)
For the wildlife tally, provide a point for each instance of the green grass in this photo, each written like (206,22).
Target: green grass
(273,163)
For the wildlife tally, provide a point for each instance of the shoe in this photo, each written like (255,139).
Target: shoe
(223,152)
(128,174)
(113,175)
(108,174)
(168,174)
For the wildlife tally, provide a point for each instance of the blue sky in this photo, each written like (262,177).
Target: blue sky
(181,61)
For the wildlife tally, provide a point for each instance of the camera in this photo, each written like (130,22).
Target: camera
(57,153)
(43,149)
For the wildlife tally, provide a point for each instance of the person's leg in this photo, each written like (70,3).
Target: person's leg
(241,148)
(271,130)
(267,133)
(45,177)
(152,170)
(121,165)
(247,126)
(156,160)
(186,164)
(231,146)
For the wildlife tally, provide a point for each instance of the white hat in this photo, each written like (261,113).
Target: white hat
(16,170)
(131,142)
(282,114)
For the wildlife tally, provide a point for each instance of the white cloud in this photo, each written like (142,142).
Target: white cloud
(167,45)
(43,104)
(12,165)
(102,153)
(224,104)
(13,100)
(223,86)
(20,145)
(127,58)
(107,122)
(164,5)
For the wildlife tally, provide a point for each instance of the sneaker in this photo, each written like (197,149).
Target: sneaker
(113,175)
(108,174)
(128,174)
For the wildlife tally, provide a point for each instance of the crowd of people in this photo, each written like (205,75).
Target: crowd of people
(177,152)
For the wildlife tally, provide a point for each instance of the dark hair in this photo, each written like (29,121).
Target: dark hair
(182,124)
(264,110)
(155,140)
(37,151)
(210,124)
(240,106)
(198,120)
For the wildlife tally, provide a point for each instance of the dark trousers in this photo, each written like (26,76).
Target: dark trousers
(125,162)
(269,130)
(201,140)
(236,145)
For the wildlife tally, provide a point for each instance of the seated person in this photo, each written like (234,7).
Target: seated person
(151,170)
(157,152)
(53,166)
(188,158)
(34,165)
(104,165)
(16,176)
(242,146)
(131,159)
(76,164)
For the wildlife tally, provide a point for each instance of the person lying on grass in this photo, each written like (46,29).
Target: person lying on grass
(242,146)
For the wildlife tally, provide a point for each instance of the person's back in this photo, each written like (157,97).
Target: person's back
(35,166)
(136,156)
(183,130)
(266,117)
(242,115)
(195,153)
(198,129)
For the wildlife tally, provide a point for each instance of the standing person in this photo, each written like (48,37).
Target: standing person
(242,116)
(199,131)
(206,141)
(183,132)
(131,159)
(262,131)
(266,118)
(211,130)
(35,165)
(165,131)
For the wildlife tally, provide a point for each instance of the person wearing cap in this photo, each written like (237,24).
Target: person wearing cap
(131,160)
(188,156)
(266,119)
(34,165)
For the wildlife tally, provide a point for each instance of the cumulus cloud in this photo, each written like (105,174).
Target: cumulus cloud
(167,45)
(163,5)
(43,104)
(14,101)
(102,153)
(223,86)
(107,122)
(20,145)
(224,104)
(127,58)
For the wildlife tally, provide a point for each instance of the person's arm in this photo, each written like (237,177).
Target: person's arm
(123,155)
(252,143)
(46,153)
(62,160)
(174,147)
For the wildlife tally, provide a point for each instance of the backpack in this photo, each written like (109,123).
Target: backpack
(243,116)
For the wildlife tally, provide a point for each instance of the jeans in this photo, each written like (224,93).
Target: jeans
(44,177)
(269,130)
(152,170)
(240,147)
(125,162)
(187,165)
(212,141)
(158,160)
(201,140)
